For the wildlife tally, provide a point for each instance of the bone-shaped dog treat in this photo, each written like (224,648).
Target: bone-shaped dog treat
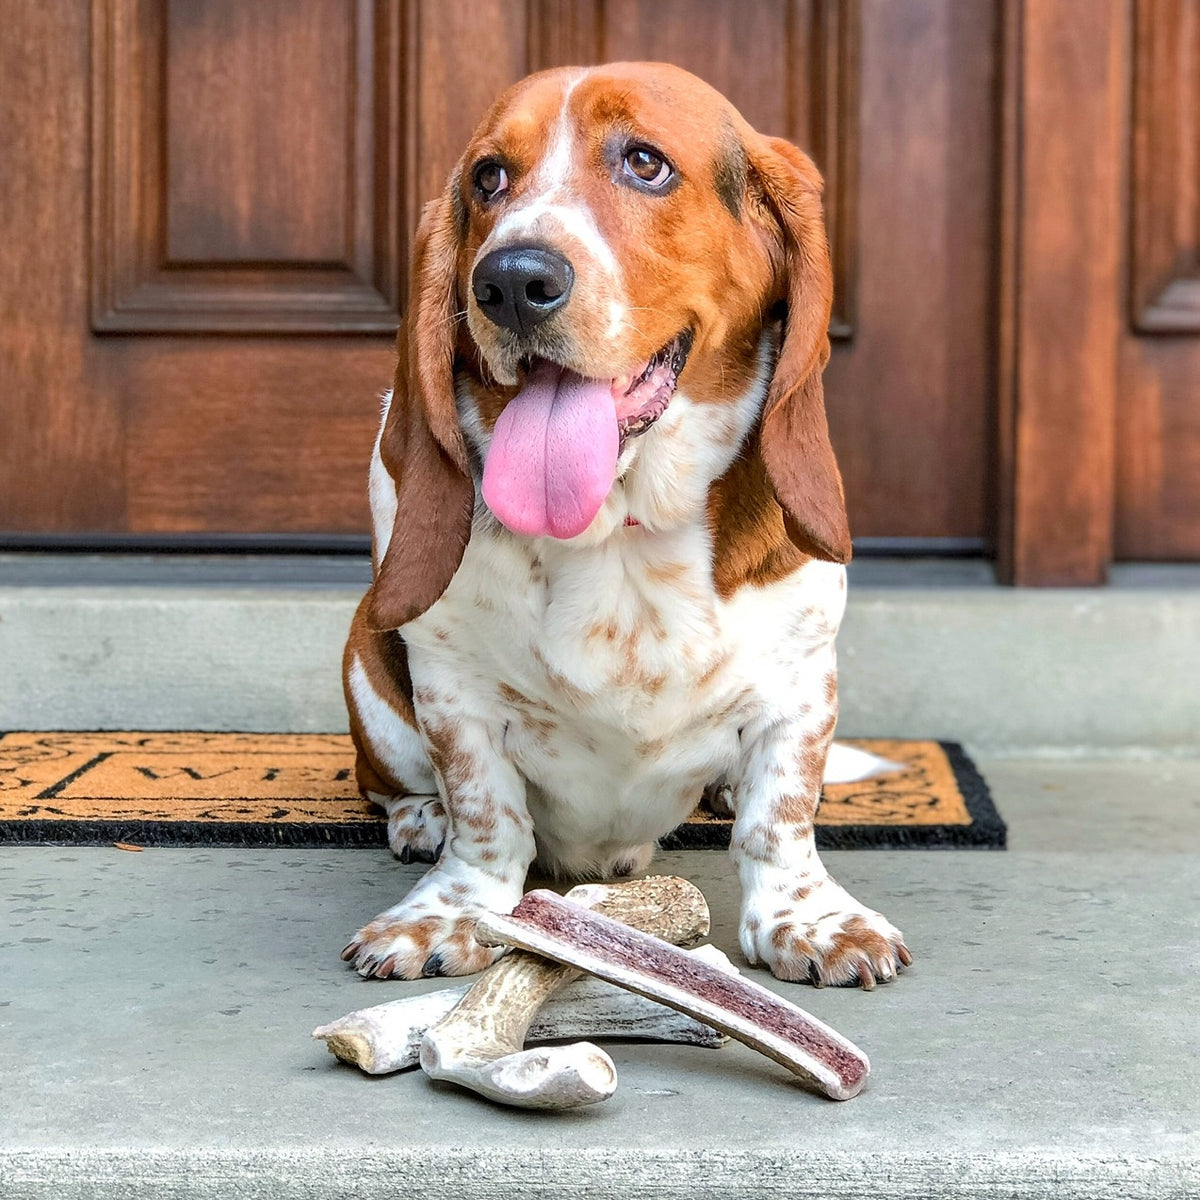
(387,1037)
(544,923)
(479,1045)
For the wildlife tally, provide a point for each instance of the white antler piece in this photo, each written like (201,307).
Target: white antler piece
(387,1037)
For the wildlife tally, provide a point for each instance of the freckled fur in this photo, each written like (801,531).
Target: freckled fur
(617,675)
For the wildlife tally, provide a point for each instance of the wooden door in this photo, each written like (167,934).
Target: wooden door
(206,208)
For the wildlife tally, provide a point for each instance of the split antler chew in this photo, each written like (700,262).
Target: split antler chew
(545,923)
(479,1045)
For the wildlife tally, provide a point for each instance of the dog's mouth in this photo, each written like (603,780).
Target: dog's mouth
(553,455)
(642,398)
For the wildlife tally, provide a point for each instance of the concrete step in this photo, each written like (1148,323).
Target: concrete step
(927,649)
(155,1007)
(155,1011)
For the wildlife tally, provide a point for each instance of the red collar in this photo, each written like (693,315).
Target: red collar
(631,520)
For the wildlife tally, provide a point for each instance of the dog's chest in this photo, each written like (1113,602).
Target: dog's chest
(603,653)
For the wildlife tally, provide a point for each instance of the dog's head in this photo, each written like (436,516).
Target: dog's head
(608,237)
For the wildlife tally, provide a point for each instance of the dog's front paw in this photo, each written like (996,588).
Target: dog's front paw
(428,933)
(820,934)
(404,943)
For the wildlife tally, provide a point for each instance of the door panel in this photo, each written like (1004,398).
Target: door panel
(244,167)
(1158,408)
(258,101)
(259,435)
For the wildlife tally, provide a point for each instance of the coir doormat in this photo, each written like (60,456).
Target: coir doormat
(256,789)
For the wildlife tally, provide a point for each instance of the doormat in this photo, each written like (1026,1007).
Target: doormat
(271,789)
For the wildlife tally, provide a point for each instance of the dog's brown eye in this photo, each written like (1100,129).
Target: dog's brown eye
(491,179)
(647,167)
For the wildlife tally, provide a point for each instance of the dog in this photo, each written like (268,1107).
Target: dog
(609,529)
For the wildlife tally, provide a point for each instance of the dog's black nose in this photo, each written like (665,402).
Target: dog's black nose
(520,286)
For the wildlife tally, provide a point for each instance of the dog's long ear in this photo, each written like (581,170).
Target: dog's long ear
(795,444)
(421,444)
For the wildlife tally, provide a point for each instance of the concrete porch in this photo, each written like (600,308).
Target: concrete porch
(155,1008)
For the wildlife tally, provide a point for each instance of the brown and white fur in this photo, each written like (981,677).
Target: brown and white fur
(569,699)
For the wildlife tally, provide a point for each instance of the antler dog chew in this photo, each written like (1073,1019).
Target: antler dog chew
(387,1037)
(479,1044)
(546,924)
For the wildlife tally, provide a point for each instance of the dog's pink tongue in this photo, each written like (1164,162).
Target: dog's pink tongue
(553,456)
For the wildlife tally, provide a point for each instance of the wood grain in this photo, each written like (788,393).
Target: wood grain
(61,436)
(1158,459)
(824,56)
(564,33)
(1164,269)
(257,100)
(1060,261)
(268,434)
(910,397)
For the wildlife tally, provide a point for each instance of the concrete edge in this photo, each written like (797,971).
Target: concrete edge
(996,668)
(332,1172)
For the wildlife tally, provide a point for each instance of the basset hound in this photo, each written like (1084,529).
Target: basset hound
(609,530)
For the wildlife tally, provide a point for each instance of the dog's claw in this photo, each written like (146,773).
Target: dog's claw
(350,951)
(903,954)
